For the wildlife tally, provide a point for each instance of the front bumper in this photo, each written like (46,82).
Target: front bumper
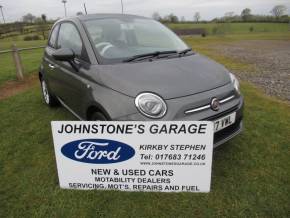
(228,133)
(220,137)
(233,130)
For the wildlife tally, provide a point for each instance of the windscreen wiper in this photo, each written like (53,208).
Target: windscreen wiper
(183,52)
(149,55)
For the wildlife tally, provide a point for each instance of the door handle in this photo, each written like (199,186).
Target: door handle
(51,66)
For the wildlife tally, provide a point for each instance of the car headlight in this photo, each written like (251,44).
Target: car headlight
(235,82)
(151,105)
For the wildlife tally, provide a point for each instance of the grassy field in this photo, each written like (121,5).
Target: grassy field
(235,31)
(250,173)
(30,59)
(236,28)
(204,46)
(7,43)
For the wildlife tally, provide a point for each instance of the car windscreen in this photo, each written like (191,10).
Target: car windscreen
(116,39)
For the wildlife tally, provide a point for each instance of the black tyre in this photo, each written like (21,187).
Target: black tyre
(98,116)
(48,98)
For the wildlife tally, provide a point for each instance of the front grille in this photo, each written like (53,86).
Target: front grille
(214,117)
(207,106)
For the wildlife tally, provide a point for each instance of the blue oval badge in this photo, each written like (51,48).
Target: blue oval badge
(98,151)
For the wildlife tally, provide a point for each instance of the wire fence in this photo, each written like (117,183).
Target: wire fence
(17,62)
(20,49)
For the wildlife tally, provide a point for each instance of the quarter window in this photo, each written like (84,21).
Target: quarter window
(53,36)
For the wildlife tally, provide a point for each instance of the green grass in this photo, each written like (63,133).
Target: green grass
(250,174)
(30,59)
(204,45)
(236,28)
(239,37)
(28,30)
(7,43)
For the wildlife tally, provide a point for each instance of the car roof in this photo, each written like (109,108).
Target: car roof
(102,16)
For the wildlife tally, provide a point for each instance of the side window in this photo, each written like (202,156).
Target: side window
(69,38)
(53,36)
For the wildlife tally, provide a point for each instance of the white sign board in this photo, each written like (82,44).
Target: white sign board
(134,156)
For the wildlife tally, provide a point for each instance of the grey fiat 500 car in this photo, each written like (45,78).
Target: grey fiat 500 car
(126,67)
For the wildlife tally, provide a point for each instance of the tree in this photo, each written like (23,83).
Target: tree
(171,18)
(43,17)
(38,20)
(41,25)
(229,14)
(246,14)
(28,18)
(156,16)
(197,17)
(279,10)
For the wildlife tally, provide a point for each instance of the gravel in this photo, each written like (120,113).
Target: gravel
(271,59)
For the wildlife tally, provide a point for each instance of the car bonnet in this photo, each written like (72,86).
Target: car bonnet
(169,78)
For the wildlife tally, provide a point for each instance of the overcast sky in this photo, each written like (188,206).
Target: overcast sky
(15,9)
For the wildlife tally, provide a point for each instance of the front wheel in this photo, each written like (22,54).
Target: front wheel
(48,98)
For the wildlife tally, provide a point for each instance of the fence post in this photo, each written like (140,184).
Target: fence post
(17,62)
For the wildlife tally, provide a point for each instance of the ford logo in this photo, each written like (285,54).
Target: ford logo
(98,151)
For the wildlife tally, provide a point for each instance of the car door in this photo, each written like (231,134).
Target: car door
(48,60)
(71,84)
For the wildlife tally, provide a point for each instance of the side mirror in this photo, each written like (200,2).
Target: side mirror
(64,54)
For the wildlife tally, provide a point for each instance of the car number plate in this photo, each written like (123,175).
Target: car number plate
(224,122)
